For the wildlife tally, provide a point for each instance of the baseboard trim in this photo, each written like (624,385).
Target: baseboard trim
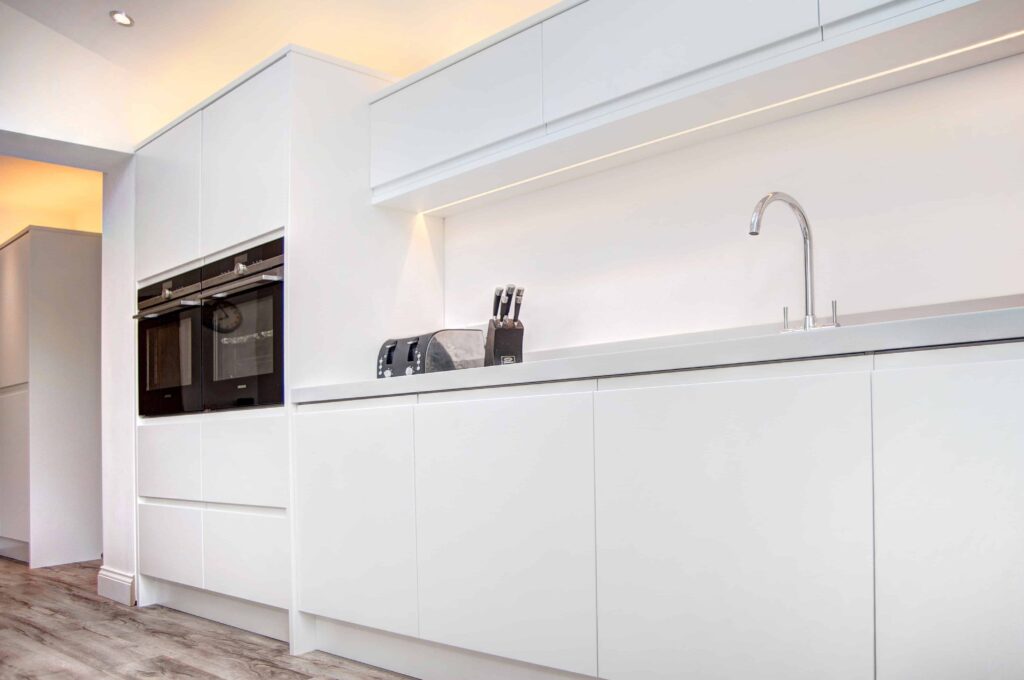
(116,585)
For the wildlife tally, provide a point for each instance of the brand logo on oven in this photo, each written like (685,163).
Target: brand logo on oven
(242,386)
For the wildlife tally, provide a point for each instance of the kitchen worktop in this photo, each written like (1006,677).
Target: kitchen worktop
(990,319)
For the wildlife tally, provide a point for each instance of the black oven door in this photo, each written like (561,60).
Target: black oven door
(243,348)
(170,379)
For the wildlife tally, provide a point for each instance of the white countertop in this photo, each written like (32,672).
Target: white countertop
(934,325)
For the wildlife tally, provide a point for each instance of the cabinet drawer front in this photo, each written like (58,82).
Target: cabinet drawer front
(605,49)
(169,461)
(485,98)
(245,461)
(247,555)
(171,543)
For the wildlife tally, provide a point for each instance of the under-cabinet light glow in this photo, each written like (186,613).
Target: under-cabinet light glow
(729,119)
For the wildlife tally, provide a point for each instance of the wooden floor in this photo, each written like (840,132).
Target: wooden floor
(54,626)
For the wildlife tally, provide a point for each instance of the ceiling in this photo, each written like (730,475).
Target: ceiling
(185,50)
(48,195)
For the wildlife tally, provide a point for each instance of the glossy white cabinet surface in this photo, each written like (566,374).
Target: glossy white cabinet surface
(14,286)
(949,474)
(14,465)
(734,529)
(169,460)
(245,460)
(167,199)
(247,555)
(171,543)
(245,160)
(604,49)
(485,98)
(505,515)
(836,10)
(356,537)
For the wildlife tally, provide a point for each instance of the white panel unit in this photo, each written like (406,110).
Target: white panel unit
(14,464)
(171,543)
(169,460)
(949,469)
(245,160)
(167,199)
(605,49)
(867,11)
(734,529)
(505,515)
(488,97)
(357,515)
(14,273)
(245,460)
(247,555)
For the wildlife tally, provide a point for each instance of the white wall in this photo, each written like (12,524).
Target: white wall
(914,197)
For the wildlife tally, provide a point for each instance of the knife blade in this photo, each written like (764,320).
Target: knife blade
(506,301)
(518,305)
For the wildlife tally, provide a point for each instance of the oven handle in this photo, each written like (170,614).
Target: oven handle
(160,310)
(273,276)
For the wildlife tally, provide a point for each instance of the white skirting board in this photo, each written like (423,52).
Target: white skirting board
(250,616)
(116,585)
(14,550)
(420,658)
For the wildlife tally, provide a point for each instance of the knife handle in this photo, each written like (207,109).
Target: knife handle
(497,301)
(506,301)
(519,304)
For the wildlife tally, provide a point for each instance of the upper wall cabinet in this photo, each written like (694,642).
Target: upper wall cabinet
(488,97)
(245,160)
(14,285)
(167,195)
(605,49)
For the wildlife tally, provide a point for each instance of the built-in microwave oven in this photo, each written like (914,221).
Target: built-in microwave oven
(212,338)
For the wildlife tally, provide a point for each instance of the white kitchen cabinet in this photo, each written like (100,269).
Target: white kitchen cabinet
(601,50)
(14,287)
(949,469)
(245,460)
(247,555)
(245,168)
(505,517)
(169,461)
(491,96)
(734,524)
(867,11)
(356,530)
(171,543)
(167,199)
(14,464)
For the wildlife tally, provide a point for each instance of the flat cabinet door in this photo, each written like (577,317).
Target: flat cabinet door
(949,474)
(605,49)
(14,479)
(171,543)
(245,460)
(167,188)
(837,10)
(505,513)
(734,530)
(169,460)
(245,160)
(356,516)
(486,98)
(247,555)
(14,270)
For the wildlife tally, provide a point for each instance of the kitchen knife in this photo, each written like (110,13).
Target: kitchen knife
(497,301)
(519,304)
(506,301)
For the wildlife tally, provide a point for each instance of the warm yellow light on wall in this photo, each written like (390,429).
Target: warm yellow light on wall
(34,193)
(730,119)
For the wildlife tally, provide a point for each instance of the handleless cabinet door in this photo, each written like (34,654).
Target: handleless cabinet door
(601,50)
(505,515)
(245,160)
(14,271)
(356,520)
(14,464)
(246,554)
(734,529)
(865,12)
(169,460)
(949,490)
(245,460)
(171,543)
(167,188)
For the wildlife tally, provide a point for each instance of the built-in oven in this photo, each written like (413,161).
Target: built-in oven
(170,346)
(242,329)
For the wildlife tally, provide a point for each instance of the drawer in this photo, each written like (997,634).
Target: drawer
(171,543)
(169,461)
(247,555)
(245,461)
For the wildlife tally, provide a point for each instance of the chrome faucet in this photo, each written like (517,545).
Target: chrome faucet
(805,230)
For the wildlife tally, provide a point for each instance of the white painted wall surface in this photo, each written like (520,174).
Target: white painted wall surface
(914,197)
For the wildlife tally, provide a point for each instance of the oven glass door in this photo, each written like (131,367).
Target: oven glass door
(243,357)
(169,363)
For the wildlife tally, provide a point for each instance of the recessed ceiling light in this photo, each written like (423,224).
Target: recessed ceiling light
(120,18)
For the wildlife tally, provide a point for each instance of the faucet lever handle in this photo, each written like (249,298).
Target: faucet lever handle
(835,315)
(785,318)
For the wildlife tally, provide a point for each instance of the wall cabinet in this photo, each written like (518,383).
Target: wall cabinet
(14,273)
(356,531)
(949,469)
(734,526)
(505,515)
(868,11)
(167,199)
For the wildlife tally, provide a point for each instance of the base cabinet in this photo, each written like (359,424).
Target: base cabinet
(171,543)
(734,527)
(949,474)
(247,555)
(14,465)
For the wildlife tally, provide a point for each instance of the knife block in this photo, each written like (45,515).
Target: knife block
(504,343)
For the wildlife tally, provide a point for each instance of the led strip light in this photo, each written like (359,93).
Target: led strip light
(729,119)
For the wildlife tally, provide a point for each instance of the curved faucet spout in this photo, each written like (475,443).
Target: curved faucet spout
(805,230)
